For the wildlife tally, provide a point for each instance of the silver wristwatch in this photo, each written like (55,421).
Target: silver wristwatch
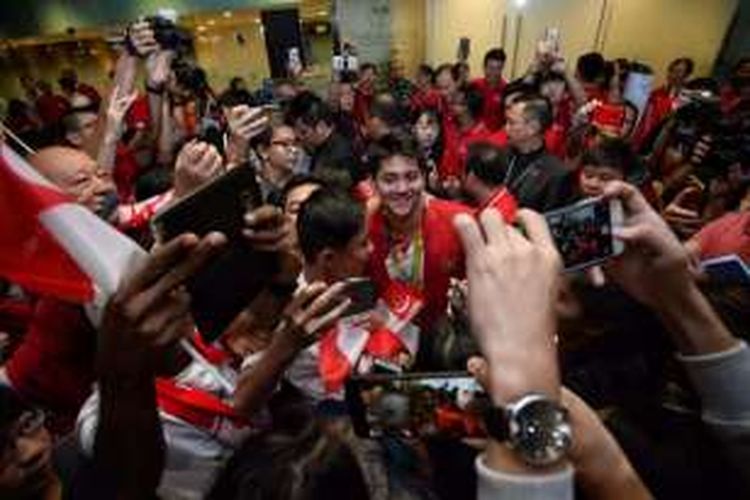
(534,426)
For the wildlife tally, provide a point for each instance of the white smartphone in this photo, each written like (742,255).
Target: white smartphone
(584,232)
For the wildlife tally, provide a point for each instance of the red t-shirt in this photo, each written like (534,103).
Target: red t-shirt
(51,108)
(443,255)
(729,234)
(660,104)
(492,108)
(139,115)
(53,367)
(125,173)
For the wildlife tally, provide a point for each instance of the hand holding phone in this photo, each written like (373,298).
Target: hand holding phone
(230,282)
(247,122)
(584,232)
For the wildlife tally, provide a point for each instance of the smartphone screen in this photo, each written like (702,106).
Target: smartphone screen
(448,405)
(583,232)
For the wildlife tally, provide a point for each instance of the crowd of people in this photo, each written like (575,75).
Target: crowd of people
(434,189)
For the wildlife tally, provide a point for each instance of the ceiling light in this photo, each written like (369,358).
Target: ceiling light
(227,14)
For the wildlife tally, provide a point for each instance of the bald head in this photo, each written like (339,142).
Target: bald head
(75,173)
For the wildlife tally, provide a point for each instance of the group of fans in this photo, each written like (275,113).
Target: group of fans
(418,185)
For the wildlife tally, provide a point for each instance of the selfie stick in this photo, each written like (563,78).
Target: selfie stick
(198,358)
(16,139)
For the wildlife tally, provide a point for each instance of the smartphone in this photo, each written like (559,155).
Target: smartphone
(727,270)
(448,404)
(227,284)
(464,49)
(583,232)
(363,294)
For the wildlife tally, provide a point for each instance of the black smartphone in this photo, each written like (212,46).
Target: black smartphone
(227,284)
(583,232)
(363,294)
(464,49)
(448,404)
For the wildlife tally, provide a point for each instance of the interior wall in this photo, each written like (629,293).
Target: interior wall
(449,20)
(652,31)
(408,33)
(576,19)
(367,25)
(657,32)
(223,58)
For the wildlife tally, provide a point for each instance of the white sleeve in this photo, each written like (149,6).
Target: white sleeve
(493,484)
(721,381)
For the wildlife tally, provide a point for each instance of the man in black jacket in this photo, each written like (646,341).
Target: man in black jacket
(315,126)
(538,180)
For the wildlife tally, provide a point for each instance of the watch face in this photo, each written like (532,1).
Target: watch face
(540,431)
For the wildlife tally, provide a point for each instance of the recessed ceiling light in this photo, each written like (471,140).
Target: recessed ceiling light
(227,13)
(201,28)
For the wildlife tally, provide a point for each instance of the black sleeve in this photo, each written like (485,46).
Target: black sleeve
(560,189)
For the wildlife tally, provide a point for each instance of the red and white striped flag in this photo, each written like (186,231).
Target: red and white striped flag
(343,346)
(53,246)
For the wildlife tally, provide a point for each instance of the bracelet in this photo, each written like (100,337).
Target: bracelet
(155,90)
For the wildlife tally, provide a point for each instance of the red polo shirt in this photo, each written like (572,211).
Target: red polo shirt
(492,109)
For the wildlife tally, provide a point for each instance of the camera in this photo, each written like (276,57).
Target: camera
(167,34)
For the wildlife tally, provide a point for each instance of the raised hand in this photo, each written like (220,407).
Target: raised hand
(142,37)
(245,123)
(150,310)
(197,163)
(515,330)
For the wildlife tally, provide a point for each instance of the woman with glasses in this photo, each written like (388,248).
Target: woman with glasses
(279,154)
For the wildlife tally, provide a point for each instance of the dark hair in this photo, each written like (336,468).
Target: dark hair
(591,66)
(395,144)
(520,87)
(460,66)
(296,181)
(611,152)
(689,64)
(328,219)
(487,162)
(536,108)
(310,109)
(426,69)
(473,100)
(307,465)
(451,68)
(495,54)
(365,66)
(387,109)
(334,177)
